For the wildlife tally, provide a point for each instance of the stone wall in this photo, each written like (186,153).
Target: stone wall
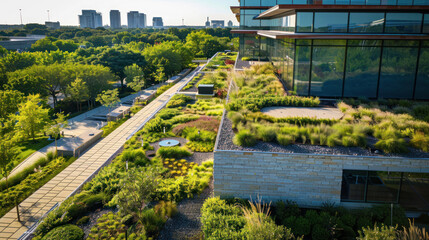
(308,179)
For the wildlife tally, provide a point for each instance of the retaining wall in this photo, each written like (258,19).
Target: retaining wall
(308,179)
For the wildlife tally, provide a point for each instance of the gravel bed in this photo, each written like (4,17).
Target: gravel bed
(227,134)
(186,224)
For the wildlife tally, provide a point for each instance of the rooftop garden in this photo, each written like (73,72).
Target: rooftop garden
(139,191)
(386,127)
(222,61)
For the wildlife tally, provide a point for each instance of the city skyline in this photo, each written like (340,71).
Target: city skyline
(194,12)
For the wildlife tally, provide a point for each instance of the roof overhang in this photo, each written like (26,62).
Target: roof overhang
(238,31)
(293,35)
(289,9)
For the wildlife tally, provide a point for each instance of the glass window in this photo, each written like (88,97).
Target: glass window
(329,42)
(366,22)
(405,2)
(422,85)
(299,1)
(372,2)
(327,71)
(398,69)
(252,2)
(414,192)
(342,2)
(421,2)
(302,70)
(383,187)
(353,185)
(403,22)
(362,72)
(426,23)
(304,22)
(330,22)
(284,1)
(249,22)
(328,1)
(357,2)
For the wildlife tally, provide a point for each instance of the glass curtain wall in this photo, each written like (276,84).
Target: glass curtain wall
(422,83)
(407,189)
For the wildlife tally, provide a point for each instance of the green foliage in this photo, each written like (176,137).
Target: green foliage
(83,220)
(138,157)
(163,88)
(420,141)
(108,98)
(69,232)
(192,83)
(10,100)
(267,134)
(112,126)
(244,138)
(392,145)
(256,104)
(378,233)
(193,134)
(203,123)
(200,146)
(178,100)
(167,113)
(284,139)
(108,226)
(173,152)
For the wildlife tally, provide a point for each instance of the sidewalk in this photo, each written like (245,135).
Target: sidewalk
(66,182)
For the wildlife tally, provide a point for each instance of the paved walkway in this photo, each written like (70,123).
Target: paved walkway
(66,182)
(79,125)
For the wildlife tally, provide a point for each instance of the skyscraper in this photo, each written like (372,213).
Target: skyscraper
(157,22)
(115,19)
(208,23)
(218,23)
(136,20)
(90,19)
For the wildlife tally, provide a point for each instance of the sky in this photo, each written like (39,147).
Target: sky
(194,12)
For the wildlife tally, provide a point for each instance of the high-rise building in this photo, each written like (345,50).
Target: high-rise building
(53,25)
(208,24)
(157,22)
(90,19)
(115,19)
(230,24)
(136,20)
(218,23)
(373,49)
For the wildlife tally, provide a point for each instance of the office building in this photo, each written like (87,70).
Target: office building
(53,25)
(218,23)
(136,20)
(115,19)
(374,49)
(157,22)
(90,19)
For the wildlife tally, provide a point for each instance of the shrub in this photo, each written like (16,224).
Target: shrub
(267,134)
(200,146)
(193,134)
(420,141)
(137,157)
(244,138)
(377,233)
(173,152)
(93,202)
(235,118)
(168,209)
(203,123)
(392,145)
(320,233)
(178,100)
(83,220)
(284,139)
(109,226)
(69,232)
(167,113)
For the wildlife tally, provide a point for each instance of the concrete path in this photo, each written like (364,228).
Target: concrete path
(79,125)
(311,112)
(66,182)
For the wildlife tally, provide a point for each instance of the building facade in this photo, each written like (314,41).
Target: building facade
(115,19)
(230,24)
(136,20)
(90,19)
(341,48)
(157,22)
(218,23)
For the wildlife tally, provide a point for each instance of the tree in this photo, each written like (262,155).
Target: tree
(109,98)
(66,45)
(8,154)
(3,51)
(138,187)
(135,77)
(43,45)
(78,92)
(56,126)
(10,99)
(137,84)
(32,117)
(210,47)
